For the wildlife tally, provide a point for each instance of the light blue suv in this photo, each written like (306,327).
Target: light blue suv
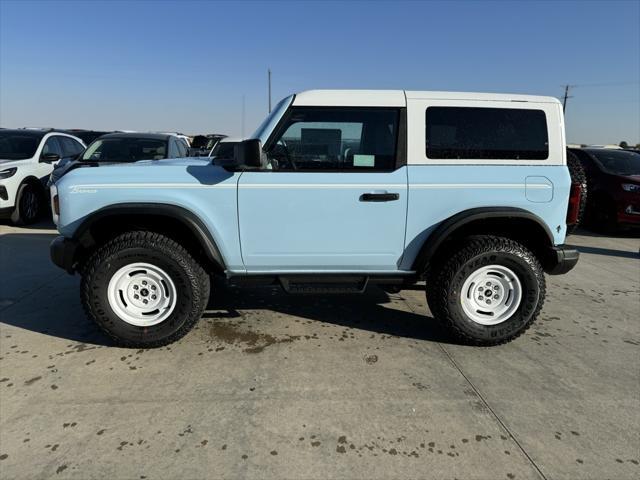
(336,190)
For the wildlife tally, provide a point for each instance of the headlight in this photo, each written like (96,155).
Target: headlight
(9,172)
(627,187)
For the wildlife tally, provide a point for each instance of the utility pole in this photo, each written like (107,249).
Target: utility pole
(566,96)
(269,81)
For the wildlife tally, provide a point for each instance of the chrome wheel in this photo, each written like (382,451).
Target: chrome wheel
(142,294)
(491,295)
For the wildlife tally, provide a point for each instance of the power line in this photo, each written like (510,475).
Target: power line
(567,87)
(608,84)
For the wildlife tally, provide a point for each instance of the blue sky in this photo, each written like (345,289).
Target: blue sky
(185,66)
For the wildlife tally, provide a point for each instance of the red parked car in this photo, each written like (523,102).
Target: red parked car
(613,178)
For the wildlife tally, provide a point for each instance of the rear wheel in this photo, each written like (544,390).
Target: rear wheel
(28,205)
(488,292)
(144,289)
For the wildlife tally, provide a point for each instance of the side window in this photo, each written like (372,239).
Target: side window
(70,147)
(52,146)
(486,133)
(349,139)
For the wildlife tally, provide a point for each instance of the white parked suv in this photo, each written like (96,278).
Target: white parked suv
(27,157)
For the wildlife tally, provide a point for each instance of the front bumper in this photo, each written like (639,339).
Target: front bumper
(562,260)
(63,253)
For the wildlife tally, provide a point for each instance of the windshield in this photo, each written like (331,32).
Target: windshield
(18,146)
(618,162)
(270,122)
(125,150)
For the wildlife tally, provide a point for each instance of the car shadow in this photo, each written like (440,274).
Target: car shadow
(608,252)
(43,224)
(59,313)
(370,311)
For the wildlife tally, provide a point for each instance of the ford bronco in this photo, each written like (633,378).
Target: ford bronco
(335,190)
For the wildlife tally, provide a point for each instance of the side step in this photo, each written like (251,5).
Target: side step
(324,284)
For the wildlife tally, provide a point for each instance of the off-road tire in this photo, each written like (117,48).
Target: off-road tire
(190,279)
(445,281)
(28,207)
(578,176)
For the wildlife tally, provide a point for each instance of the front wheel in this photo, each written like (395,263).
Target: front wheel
(144,289)
(488,292)
(28,205)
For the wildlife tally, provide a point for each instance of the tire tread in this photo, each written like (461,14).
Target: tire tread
(441,277)
(156,241)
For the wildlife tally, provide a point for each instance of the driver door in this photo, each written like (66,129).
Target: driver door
(333,197)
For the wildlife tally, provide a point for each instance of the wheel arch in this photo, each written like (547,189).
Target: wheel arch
(511,222)
(32,180)
(173,221)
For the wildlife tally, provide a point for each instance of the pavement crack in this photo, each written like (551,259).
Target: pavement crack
(495,415)
(483,400)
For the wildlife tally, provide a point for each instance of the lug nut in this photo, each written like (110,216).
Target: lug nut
(495,297)
(135,287)
(153,297)
(488,302)
(495,287)
(136,296)
(144,282)
(480,297)
(488,284)
(145,301)
(153,287)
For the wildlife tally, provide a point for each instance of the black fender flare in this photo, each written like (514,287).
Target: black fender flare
(181,214)
(447,227)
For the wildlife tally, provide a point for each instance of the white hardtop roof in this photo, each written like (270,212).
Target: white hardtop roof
(398,98)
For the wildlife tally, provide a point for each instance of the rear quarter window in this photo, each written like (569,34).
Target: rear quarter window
(486,133)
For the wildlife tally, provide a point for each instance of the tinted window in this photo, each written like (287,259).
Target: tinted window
(486,133)
(336,139)
(18,146)
(70,147)
(125,149)
(618,162)
(52,146)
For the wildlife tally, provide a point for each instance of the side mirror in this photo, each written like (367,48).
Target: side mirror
(49,157)
(249,153)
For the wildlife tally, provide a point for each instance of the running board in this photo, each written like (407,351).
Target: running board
(324,284)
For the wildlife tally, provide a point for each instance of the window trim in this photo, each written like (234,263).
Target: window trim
(416,154)
(486,158)
(400,140)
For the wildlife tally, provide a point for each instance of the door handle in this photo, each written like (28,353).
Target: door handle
(379,197)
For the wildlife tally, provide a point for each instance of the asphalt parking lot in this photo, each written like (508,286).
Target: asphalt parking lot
(307,387)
